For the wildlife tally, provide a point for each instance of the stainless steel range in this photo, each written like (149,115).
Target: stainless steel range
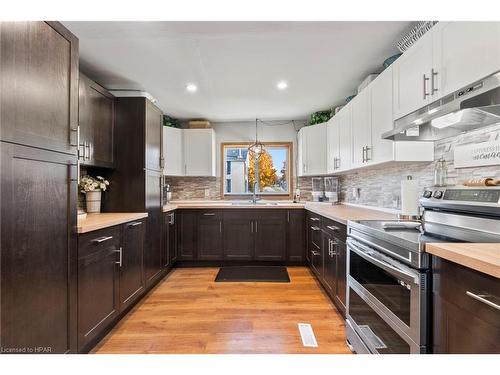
(388,282)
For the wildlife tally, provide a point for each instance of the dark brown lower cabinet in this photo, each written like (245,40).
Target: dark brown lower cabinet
(132,265)
(464,321)
(210,235)
(238,235)
(37,250)
(172,237)
(340,249)
(153,248)
(270,235)
(187,234)
(329,263)
(98,283)
(296,238)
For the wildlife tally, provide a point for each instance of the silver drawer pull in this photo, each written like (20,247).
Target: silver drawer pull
(121,256)
(315,253)
(135,223)
(315,228)
(102,239)
(209,214)
(482,298)
(332,227)
(315,219)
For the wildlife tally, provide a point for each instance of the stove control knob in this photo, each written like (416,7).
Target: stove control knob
(438,194)
(427,194)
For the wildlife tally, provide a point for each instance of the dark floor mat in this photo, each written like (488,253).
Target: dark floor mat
(276,274)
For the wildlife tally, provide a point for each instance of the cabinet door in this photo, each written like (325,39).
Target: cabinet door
(238,235)
(361,127)
(98,293)
(345,137)
(316,150)
(328,274)
(96,120)
(37,248)
(187,234)
(153,252)
(411,77)
(173,151)
(270,235)
(464,52)
(199,152)
(296,235)
(154,125)
(131,269)
(39,85)
(340,251)
(210,235)
(332,134)
(301,144)
(381,117)
(172,247)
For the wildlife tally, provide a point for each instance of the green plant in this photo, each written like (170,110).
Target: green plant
(320,116)
(89,183)
(170,121)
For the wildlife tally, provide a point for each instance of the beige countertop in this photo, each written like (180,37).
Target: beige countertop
(343,212)
(230,204)
(482,257)
(103,220)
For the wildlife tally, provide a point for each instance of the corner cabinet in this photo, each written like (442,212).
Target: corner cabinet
(312,154)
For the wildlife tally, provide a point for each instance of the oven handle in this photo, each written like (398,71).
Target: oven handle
(386,266)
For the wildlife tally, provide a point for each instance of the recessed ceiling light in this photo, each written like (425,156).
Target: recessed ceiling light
(191,87)
(282,85)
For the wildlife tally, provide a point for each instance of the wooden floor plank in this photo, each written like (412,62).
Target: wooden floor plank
(189,313)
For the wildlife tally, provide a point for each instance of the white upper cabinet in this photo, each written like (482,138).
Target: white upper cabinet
(345,138)
(412,77)
(361,128)
(333,145)
(173,151)
(312,150)
(381,117)
(448,57)
(199,152)
(464,52)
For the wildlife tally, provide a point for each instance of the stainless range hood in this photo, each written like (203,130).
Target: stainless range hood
(471,107)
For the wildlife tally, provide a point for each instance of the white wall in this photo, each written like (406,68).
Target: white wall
(245,132)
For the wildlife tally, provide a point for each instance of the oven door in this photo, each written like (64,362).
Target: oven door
(383,291)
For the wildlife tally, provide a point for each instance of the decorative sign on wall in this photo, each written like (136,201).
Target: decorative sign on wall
(477,155)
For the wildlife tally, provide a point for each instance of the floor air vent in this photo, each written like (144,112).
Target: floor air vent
(307,335)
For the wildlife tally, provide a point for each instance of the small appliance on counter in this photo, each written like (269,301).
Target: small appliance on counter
(332,189)
(167,194)
(318,189)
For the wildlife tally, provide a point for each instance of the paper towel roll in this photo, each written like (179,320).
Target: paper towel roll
(409,197)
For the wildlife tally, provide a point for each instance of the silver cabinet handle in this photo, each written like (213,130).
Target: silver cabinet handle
(172,219)
(315,253)
(333,227)
(208,214)
(77,131)
(368,148)
(120,251)
(220,226)
(482,298)
(314,228)
(433,86)
(334,253)
(102,239)
(364,151)
(91,151)
(426,94)
(256,230)
(251,227)
(315,219)
(135,223)
(287,216)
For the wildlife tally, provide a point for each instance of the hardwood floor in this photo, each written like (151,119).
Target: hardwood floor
(189,313)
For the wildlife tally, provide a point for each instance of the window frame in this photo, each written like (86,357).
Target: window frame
(267,196)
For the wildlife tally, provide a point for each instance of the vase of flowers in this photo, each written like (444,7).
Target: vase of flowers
(93,188)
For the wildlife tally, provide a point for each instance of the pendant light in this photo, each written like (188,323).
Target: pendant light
(256,148)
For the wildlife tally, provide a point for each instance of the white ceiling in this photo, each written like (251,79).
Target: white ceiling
(236,65)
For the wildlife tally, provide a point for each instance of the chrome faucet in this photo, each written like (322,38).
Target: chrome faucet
(254,196)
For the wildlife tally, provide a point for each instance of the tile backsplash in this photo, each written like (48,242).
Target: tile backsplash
(378,185)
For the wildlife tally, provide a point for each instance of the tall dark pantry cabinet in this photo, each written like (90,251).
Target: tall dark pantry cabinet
(138,173)
(38,190)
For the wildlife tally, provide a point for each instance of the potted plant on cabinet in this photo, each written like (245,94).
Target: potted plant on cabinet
(93,188)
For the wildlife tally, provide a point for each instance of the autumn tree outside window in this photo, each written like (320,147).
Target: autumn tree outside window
(238,169)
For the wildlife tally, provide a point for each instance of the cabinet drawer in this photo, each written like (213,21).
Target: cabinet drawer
(98,240)
(210,214)
(335,229)
(462,286)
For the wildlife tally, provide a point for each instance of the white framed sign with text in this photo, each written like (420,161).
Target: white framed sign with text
(477,155)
